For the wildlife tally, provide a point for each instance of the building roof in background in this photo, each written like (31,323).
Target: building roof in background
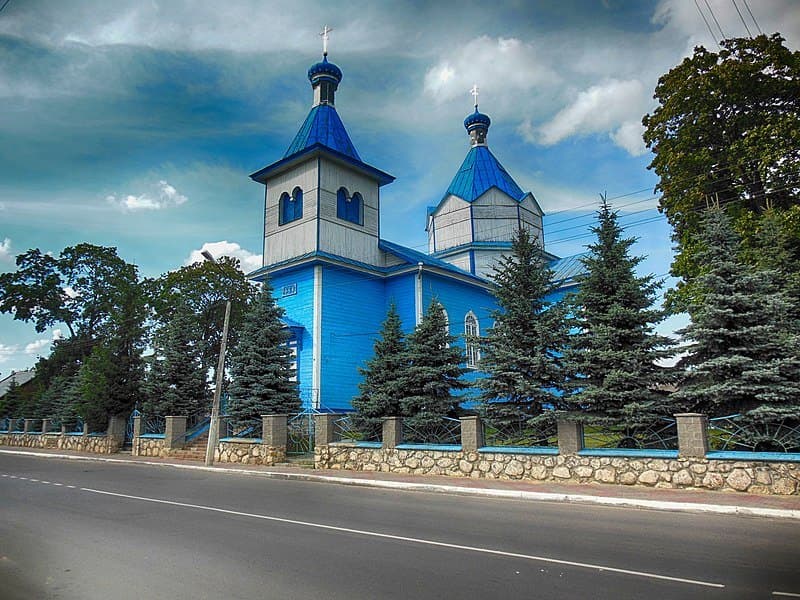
(21,377)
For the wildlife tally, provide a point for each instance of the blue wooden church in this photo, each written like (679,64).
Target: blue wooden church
(336,277)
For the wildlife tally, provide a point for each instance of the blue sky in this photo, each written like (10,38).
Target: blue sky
(135,124)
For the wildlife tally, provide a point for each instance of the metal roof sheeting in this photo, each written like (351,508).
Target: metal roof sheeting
(323,126)
(480,172)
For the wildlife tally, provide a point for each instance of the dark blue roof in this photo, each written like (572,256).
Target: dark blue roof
(325,68)
(477,118)
(479,172)
(323,126)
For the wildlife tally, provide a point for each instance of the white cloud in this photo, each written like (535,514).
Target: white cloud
(502,66)
(249,261)
(164,196)
(5,251)
(600,108)
(35,346)
(629,138)
(6,352)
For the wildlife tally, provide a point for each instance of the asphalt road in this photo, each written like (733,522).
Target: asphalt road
(88,530)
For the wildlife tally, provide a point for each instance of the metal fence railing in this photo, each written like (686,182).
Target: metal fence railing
(242,429)
(352,429)
(520,433)
(300,433)
(155,424)
(736,433)
(443,431)
(660,435)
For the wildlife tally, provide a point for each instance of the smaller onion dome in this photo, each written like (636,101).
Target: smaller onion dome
(477,119)
(326,70)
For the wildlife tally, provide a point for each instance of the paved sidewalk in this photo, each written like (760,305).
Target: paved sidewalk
(594,493)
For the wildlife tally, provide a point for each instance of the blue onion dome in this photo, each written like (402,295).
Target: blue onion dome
(326,70)
(477,119)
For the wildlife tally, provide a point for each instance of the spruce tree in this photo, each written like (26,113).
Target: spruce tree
(522,353)
(177,382)
(433,371)
(261,364)
(612,357)
(382,389)
(744,355)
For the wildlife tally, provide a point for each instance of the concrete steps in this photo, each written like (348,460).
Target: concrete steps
(194,450)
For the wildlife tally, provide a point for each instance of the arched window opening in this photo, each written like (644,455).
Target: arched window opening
(471,334)
(291,207)
(349,208)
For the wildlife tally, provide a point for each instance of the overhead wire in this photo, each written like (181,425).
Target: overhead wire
(746,28)
(752,16)
(708,25)
(713,16)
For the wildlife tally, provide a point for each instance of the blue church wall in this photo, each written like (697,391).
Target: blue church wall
(400,290)
(458,300)
(353,308)
(294,291)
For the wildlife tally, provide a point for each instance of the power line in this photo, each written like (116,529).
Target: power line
(4,5)
(747,29)
(752,16)
(713,37)
(713,16)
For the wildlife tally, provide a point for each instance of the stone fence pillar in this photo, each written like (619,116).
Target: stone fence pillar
(28,426)
(471,434)
(570,437)
(85,429)
(323,429)
(138,430)
(392,432)
(174,432)
(692,435)
(45,425)
(273,430)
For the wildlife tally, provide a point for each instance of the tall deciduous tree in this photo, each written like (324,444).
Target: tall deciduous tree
(111,378)
(522,353)
(204,288)
(614,353)
(434,371)
(176,383)
(264,381)
(744,355)
(382,389)
(727,128)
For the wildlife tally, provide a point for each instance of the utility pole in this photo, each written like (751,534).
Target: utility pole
(213,427)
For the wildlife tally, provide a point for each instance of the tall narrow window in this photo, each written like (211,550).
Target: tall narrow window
(292,344)
(471,334)
(291,207)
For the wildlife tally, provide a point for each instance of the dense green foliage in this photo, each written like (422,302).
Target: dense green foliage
(382,388)
(614,352)
(204,288)
(727,130)
(176,382)
(744,355)
(263,380)
(433,372)
(522,353)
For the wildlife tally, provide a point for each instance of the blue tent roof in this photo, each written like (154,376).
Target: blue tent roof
(323,126)
(479,172)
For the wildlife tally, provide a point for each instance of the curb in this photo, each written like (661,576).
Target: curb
(693,507)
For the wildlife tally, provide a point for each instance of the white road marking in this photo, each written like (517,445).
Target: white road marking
(58,484)
(410,539)
(786,594)
(32,479)
(43,481)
